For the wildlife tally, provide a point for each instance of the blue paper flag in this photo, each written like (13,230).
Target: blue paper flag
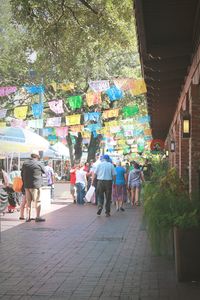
(37,110)
(144,119)
(34,89)
(92,116)
(114,93)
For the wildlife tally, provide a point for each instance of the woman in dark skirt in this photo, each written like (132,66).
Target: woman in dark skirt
(119,192)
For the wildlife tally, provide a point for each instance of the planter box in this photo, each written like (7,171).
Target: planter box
(187,253)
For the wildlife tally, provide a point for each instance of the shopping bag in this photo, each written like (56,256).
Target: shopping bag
(90,193)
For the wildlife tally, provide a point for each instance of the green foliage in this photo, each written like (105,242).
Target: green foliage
(13,43)
(167,204)
(78,42)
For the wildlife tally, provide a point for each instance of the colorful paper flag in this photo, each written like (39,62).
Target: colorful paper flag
(129,111)
(20,112)
(99,85)
(114,93)
(111,113)
(73,119)
(139,87)
(93,98)
(37,110)
(53,122)
(56,106)
(3,113)
(7,90)
(75,101)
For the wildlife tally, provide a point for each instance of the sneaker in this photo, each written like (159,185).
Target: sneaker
(122,209)
(39,220)
(99,211)
(107,214)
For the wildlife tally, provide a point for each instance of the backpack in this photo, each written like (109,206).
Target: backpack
(17,184)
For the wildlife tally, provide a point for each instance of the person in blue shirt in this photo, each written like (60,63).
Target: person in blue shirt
(105,175)
(119,193)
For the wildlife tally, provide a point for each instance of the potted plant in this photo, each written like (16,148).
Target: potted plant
(173,222)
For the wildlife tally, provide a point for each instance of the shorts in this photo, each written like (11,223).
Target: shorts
(135,185)
(32,195)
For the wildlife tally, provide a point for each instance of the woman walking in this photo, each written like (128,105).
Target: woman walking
(119,194)
(135,179)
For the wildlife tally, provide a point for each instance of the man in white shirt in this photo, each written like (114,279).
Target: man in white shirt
(81,182)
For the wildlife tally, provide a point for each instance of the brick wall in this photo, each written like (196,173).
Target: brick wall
(194,142)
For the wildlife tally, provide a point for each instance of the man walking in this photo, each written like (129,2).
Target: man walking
(32,171)
(106,175)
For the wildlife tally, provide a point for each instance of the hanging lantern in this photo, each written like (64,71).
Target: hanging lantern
(172,146)
(186,125)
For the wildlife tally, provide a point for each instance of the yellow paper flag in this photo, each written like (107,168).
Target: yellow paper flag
(73,120)
(2,124)
(111,113)
(93,98)
(76,128)
(20,112)
(139,87)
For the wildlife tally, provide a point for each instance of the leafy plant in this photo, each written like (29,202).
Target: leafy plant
(167,204)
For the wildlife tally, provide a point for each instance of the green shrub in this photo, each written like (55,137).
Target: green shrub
(167,204)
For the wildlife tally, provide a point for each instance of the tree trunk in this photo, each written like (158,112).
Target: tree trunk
(71,148)
(93,146)
(78,148)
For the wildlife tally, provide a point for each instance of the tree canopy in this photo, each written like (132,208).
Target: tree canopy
(79,40)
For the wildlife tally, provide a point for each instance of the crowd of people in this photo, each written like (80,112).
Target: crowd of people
(108,181)
(112,181)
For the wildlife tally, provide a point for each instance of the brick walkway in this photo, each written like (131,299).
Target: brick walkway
(77,255)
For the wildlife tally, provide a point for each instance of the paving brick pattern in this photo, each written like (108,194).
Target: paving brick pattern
(77,255)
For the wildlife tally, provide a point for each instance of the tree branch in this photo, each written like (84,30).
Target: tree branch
(84,2)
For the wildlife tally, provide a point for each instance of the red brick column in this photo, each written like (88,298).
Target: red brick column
(194,142)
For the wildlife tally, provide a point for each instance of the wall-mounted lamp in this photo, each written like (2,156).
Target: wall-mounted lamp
(172,146)
(167,153)
(186,125)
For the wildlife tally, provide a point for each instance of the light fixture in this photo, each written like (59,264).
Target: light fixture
(186,125)
(167,153)
(172,146)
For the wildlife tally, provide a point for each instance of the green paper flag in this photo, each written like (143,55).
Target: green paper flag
(129,111)
(75,102)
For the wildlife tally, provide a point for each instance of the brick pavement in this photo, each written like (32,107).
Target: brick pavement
(77,255)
